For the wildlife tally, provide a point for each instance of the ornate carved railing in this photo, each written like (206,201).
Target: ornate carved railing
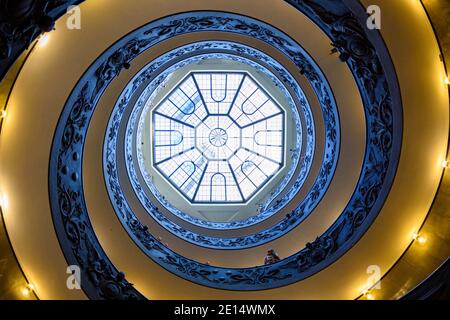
(22,21)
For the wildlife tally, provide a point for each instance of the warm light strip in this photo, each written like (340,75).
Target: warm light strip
(419,238)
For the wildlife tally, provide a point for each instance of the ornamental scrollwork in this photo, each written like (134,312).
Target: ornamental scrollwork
(110,156)
(78,237)
(291,220)
(22,21)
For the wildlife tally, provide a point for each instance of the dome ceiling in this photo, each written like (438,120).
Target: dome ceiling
(186,143)
(218,137)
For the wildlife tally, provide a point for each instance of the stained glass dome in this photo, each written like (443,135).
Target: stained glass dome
(218,137)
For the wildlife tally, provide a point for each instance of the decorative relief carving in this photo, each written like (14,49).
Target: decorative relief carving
(289,222)
(22,21)
(110,152)
(68,202)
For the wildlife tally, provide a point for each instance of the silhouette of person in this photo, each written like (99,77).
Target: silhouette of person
(271,257)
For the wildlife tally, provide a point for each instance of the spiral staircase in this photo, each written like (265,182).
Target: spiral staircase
(158,150)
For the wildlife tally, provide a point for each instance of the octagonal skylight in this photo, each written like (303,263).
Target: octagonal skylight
(218,137)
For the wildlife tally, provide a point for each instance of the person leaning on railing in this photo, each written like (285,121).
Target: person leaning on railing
(271,257)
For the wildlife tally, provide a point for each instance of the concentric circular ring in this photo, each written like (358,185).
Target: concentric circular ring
(267,212)
(70,135)
(218,137)
(250,240)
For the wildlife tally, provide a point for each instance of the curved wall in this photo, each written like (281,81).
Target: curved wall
(34,112)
